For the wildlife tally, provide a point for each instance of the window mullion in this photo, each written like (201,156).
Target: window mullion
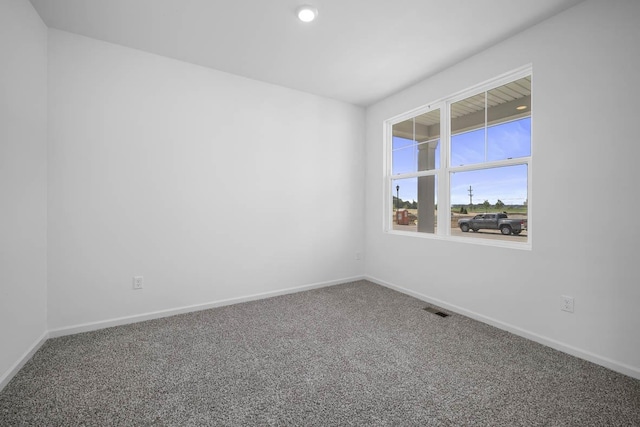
(486,109)
(443,177)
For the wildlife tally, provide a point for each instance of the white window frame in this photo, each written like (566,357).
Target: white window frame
(443,174)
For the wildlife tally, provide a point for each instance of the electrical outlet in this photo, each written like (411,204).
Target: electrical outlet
(566,303)
(138,282)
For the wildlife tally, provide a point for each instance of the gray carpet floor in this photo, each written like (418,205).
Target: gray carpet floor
(352,354)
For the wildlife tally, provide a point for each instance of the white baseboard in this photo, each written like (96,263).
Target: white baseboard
(614,365)
(86,327)
(7,376)
(93,326)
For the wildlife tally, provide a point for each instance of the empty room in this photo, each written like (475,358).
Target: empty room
(319,213)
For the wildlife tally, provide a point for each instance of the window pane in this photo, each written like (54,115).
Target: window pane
(428,138)
(468,114)
(477,196)
(467,148)
(414,204)
(510,101)
(399,142)
(416,144)
(405,160)
(509,140)
(429,155)
(468,131)
(509,120)
(405,130)
(493,125)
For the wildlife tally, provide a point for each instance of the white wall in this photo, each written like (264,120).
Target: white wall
(215,187)
(584,201)
(209,185)
(23,186)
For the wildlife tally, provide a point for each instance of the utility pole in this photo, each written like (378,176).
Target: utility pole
(470,196)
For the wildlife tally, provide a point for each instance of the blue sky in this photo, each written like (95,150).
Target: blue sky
(503,141)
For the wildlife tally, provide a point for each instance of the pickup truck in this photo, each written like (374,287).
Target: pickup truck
(493,221)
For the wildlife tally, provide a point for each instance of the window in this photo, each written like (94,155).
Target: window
(415,160)
(470,155)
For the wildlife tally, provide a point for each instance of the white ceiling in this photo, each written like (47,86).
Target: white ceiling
(358,51)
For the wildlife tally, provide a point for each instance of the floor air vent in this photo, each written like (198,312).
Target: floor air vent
(436,311)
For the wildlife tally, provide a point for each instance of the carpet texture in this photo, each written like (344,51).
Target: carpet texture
(352,354)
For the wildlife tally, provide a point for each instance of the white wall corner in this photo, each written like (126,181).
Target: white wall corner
(13,370)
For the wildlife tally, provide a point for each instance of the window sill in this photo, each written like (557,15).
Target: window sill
(520,245)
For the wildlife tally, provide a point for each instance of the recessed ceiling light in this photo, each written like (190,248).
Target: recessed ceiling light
(522,107)
(307,13)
